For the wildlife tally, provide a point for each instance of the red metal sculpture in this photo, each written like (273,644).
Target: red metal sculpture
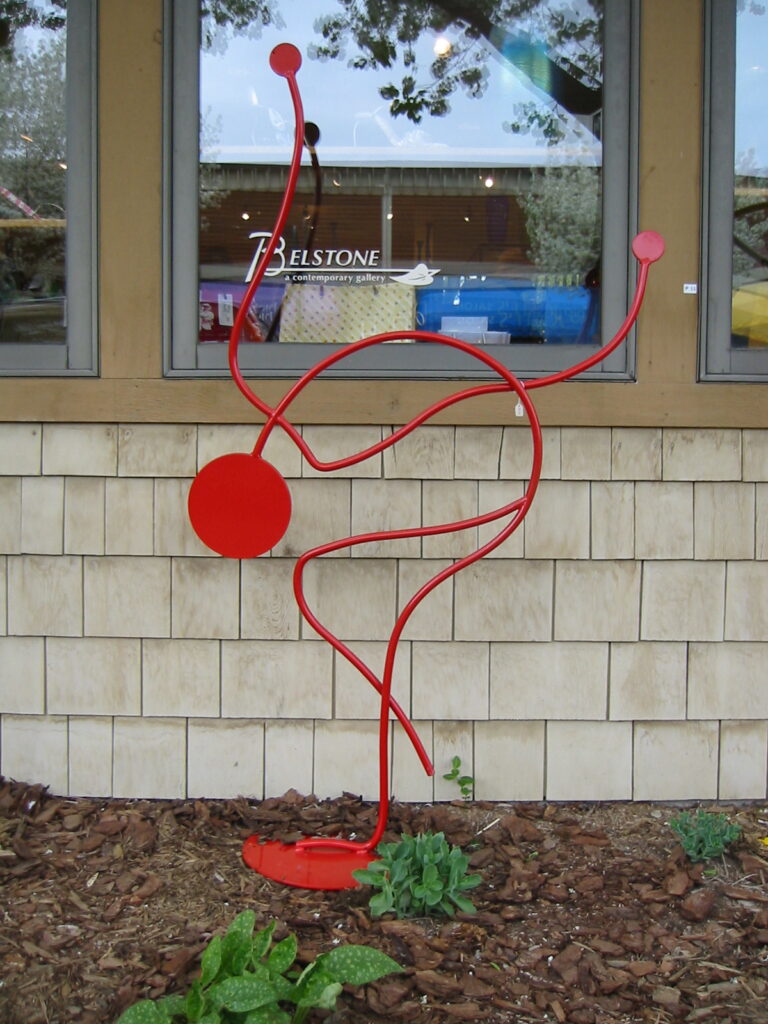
(240,506)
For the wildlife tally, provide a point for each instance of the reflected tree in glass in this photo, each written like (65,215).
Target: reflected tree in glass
(32,172)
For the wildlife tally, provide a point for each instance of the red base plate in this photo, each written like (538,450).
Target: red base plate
(313,867)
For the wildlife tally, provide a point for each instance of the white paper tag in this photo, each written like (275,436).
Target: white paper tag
(226,316)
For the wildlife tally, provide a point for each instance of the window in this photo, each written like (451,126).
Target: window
(736,189)
(47,187)
(473,179)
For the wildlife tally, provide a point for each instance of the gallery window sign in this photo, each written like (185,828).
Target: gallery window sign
(455,176)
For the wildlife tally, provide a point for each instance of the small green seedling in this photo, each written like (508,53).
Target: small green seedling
(421,876)
(464,782)
(704,835)
(244,979)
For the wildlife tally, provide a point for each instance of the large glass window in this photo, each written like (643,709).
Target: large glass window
(736,189)
(465,173)
(46,187)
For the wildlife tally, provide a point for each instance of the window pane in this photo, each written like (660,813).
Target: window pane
(749,310)
(455,182)
(33,164)
(735,300)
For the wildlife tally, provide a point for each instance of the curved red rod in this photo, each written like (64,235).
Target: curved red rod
(385,687)
(339,646)
(520,506)
(285,60)
(616,340)
(275,415)
(480,389)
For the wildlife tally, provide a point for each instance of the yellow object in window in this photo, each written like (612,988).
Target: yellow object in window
(343,313)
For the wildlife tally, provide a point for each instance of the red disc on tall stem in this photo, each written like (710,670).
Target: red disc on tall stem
(239,505)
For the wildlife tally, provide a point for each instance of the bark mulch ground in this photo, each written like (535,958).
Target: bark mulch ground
(587,914)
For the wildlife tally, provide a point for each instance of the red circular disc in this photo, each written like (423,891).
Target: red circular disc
(648,245)
(285,59)
(239,505)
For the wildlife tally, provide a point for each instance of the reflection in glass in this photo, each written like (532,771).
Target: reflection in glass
(457,180)
(750,220)
(32,173)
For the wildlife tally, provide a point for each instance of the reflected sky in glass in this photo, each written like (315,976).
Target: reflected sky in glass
(751,154)
(247,115)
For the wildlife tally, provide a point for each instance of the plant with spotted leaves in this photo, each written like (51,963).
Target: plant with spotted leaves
(244,979)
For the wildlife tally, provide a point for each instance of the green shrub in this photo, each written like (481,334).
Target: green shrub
(244,979)
(704,835)
(421,876)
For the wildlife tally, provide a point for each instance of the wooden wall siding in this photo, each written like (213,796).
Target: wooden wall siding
(626,617)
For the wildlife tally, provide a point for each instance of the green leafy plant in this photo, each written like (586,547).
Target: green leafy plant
(464,782)
(245,979)
(704,835)
(420,876)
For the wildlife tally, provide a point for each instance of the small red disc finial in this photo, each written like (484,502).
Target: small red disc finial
(285,59)
(648,246)
(239,505)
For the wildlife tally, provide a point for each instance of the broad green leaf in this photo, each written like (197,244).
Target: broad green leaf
(172,1005)
(194,1005)
(366,876)
(380,904)
(431,876)
(359,965)
(144,1012)
(243,994)
(211,962)
(400,872)
(243,923)
(262,941)
(463,904)
(282,955)
(237,945)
